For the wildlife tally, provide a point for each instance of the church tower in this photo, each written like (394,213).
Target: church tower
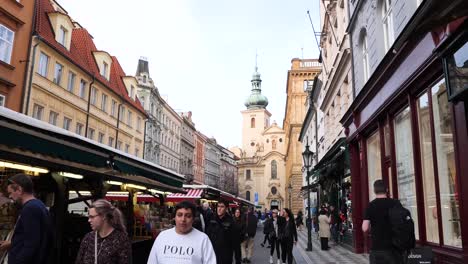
(255,119)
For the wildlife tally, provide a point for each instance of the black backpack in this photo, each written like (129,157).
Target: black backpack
(403,237)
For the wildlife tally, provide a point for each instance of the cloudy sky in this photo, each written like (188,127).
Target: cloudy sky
(202,52)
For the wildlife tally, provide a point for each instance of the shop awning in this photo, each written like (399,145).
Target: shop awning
(191,194)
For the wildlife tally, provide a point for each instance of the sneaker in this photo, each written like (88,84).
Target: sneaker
(261,244)
(271,259)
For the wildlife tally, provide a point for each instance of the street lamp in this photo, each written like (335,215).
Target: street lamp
(289,192)
(308,156)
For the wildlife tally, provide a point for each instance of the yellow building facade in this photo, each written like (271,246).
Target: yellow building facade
(300,78)
(76,87)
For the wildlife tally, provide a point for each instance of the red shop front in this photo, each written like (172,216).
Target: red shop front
(408,126)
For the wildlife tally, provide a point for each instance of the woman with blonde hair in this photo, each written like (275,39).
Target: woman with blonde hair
(108,242)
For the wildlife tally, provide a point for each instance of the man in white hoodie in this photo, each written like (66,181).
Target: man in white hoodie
(182,244)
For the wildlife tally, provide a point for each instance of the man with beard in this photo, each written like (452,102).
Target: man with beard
(220,231)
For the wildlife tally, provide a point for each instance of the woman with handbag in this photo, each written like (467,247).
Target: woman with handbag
(271,227)
(108,243)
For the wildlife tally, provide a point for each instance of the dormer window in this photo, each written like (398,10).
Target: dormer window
(62,37)
(104,69)
(132,91)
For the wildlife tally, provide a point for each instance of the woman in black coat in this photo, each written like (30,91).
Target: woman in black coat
(288,235)
(239,230)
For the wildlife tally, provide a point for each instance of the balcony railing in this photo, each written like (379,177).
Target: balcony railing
(310,63)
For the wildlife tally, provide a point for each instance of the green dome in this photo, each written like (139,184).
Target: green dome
(256,99)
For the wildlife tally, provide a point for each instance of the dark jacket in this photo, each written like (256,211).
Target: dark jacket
(239,230)
(32,238)
(251,224)
(221,232)
(197,221)
(287,229)
(269,228)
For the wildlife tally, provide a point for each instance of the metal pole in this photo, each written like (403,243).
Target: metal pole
(309,226)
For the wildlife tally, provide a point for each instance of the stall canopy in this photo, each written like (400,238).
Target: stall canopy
(39,143)
(191,195)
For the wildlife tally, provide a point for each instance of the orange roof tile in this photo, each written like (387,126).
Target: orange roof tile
(81,53)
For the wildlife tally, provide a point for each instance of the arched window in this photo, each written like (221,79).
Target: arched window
(387,21)
(247,195)
(365,56)
(274,169)
(273,144)
(252,122)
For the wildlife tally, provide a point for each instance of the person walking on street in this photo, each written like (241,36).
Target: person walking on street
(271,226)
(377,219)
(288,235)
(324,229)
(207,213)
(108,242)
(247,245)
(239,229)
(182,244)
(299,220)
(32,236)
(220,230)
(265,232)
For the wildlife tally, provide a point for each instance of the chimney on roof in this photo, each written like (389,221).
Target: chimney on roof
(143,68)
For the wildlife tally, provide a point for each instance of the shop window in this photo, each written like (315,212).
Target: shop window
(6,43)
(274,169)
(374,164)
(247,195)
(248,175)
(448,177)
(427,169)
(405,165)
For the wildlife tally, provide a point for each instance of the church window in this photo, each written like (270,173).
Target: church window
(247,195)
(248,174)
(274,190)
(273,144)
(267,141)
(252,122)
(274,169)
(280,140)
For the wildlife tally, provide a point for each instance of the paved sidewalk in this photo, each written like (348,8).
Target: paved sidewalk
(337,254)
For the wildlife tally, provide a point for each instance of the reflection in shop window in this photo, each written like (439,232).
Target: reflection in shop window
(449,196)
(427,167)
(405,166)
(374,171)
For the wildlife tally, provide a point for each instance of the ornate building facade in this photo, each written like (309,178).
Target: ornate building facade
(300,77)
(261,167)
(187,146)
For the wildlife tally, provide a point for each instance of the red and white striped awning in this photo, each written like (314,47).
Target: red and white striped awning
(191,194)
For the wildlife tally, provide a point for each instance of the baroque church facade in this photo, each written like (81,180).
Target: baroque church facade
(262,164)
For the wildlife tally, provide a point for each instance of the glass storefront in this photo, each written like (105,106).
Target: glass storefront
(374,170)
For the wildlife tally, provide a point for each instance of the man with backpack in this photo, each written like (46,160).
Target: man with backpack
(391,227)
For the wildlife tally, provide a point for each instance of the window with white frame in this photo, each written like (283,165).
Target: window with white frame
(62,38)
(82,89)
(6,43)
(71,81)
(38,111)
(79,129)
(90,133)
(43,64)
(105,68)
(53,118)
(58,73)
(94,94)
(365,56)
(138,124)
(101,137)
(119,145)
(132,91)
(104,102)
(129,118)
(113,108)
(2,100)
(137,152)
(122,113)
(66,123)
(127,148)
(387,21)
(111,142)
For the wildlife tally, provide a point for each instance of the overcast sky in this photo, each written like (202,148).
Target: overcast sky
(202,52)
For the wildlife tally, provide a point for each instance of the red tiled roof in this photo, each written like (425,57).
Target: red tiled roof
(81,53)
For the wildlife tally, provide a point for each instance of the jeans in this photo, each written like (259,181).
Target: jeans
(286,250)
(275,244)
